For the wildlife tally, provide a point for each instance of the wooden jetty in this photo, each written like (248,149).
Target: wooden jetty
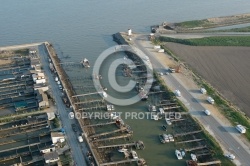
(210,163)
(107,133)
(90,101)
(100,124)
(170,107)
(188,141)
(151,93)
(92,108)
(119,162)
(195,148)
(187,133)
(94,93)
(177,120)
(138,145)
(118,145)
(162,101)
(166,104)
(203,154)
(112,138)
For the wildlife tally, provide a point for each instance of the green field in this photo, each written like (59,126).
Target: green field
(212,41)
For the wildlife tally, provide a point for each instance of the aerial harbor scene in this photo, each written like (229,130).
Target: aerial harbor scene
(141,83)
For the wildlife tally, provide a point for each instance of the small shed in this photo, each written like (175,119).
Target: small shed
(51,157)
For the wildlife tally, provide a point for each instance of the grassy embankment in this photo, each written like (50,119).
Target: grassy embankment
(212,143)
(203,24)
(229,111)
(244,29)
(23,52)
(193,24)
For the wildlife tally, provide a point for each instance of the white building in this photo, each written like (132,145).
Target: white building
(42,87)
(57,137)
(34,62)
(39,78)
(51,115)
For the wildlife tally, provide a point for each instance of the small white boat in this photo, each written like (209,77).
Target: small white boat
(166,138)
(155,117)
(85,63)
(168,121)
(104,94)
(134,154)
(114,115)
(171,138)
(161,110)
(110,107)
(193,157)
(152,108)
(178,154)
(122,150)
(183,153)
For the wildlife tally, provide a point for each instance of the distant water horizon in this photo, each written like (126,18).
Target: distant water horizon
(84,28)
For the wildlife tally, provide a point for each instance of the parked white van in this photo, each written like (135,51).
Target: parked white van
(203,90)
(241,129)
(210,100)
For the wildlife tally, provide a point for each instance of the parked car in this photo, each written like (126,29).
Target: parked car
(210,100)
(241,129)
(160,73)
(74,127)
(207,112)
(177,93)
(230,156)
(80,139)
(203,90)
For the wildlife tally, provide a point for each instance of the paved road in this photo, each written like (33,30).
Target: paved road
(76,147)
(226,135)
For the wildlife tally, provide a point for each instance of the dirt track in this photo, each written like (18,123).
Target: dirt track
(226,68)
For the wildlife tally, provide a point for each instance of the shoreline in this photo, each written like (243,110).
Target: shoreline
(201,25)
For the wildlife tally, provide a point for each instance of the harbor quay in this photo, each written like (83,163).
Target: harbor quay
(97,131)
